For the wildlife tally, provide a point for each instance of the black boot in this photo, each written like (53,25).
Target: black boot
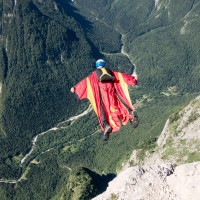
(135,121)
(107,131)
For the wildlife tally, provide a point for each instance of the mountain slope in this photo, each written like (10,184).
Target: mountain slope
(160,39)
(39,60)
(179,141)
(161,182)
(172,171)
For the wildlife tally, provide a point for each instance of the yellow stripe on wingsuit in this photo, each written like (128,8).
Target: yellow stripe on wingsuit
(113,109)
(124,87)
(112,122)
(90,95)
(104,72)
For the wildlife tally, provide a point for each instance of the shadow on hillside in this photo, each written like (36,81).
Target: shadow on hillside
(100,181)
(86,25)
(105,180)
(72,11)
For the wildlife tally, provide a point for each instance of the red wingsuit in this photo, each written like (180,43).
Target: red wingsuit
(115,98)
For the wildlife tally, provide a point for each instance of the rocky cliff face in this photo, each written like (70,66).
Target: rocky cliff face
(155,182)
(180,138)
(172,171)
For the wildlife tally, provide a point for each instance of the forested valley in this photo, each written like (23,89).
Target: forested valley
(46,47)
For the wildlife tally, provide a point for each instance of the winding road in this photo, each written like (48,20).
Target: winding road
(71,119)
(35,139)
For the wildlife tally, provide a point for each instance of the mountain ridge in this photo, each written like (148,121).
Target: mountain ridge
(163,173)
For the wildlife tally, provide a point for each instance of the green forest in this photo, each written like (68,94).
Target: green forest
(46,47)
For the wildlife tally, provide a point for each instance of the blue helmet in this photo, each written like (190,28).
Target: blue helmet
(100,63)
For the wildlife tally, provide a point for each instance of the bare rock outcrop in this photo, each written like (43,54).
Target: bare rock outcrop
(156,182)
(179,141)
(185,181)
(172,172)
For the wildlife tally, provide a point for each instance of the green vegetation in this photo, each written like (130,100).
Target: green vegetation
(48,46)
(36,72)
(114,196)
(83,184)
(79,185)
(185,152)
